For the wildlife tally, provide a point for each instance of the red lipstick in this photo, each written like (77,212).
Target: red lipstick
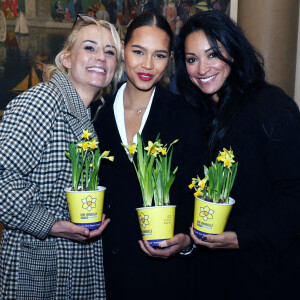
(145,76)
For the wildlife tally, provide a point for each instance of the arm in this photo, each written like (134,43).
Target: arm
(25,129)
(271,208)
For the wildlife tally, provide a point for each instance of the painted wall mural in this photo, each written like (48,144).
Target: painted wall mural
(121,12)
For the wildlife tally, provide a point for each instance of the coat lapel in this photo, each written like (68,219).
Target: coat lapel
(77,116)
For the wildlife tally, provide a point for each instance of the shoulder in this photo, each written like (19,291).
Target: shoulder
(271,96)
(38,104)
(275,110)
(42,95)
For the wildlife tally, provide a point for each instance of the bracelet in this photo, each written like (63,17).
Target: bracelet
(189,249)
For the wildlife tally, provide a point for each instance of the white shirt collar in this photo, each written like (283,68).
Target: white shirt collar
(120,118)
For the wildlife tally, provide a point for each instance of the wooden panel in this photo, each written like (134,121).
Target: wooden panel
(272,27)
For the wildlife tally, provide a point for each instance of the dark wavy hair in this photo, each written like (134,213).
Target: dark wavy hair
(247,69)
(150,18)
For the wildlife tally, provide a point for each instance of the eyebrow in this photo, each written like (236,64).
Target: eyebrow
(94,42)
(207,50)
(143,48)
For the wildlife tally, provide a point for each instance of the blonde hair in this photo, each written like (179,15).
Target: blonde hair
(69,45)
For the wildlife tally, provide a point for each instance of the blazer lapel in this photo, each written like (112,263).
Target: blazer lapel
(161,118)
(77,116)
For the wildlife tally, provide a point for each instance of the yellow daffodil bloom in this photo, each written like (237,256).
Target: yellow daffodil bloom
(198,193)
(111,158)
(221,158)
(202,183)
(191,185)
(86,134)
(163,151)
(226,156)
(94,144)
(132,148)
(153,149)
(84,145)
(148,148)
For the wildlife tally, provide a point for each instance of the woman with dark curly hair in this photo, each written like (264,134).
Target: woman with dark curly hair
(221,74)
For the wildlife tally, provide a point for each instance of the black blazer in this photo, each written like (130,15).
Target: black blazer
(127,268)
(265,138)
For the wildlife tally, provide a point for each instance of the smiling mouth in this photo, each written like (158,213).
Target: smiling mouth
(207,78)
(98,70)
(145,76)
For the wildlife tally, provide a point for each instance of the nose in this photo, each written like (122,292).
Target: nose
(101,55)
(147,62)
(203,67)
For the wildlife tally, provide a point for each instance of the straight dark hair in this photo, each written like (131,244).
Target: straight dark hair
(246,74)
(150,18)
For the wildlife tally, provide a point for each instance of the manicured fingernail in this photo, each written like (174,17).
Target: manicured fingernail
(163,244)
(204,239)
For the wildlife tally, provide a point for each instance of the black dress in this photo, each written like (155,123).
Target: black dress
(265,138)
(129,273)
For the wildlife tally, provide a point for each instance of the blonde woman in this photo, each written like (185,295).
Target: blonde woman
(43,255)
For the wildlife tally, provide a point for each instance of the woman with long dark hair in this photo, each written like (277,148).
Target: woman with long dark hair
(141,105)
(221,74)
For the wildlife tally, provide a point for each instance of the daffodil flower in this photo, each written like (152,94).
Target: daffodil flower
(85,158)
(163,151)
(86,134)
(153,148)
(226,157)
(198,193)
(202,183)
(149,147)
(84,145)
(219,178)
(94,144)
(132,148)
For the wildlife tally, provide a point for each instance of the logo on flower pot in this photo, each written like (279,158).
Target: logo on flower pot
(88,203)
(144,220)
(206,213)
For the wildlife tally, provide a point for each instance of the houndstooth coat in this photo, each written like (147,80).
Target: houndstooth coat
(34,134)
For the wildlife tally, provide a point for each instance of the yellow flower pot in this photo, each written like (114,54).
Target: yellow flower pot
(86,207)
(156,223)
(209,217)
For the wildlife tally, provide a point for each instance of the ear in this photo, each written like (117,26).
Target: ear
(65,60)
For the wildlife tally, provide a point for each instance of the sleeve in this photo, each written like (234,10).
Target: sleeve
(24,132)
(277,221)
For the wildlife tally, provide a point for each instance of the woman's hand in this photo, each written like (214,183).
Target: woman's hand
(167,248)
(73,232)
(225,240)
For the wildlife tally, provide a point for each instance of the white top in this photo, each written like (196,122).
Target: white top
(120,117)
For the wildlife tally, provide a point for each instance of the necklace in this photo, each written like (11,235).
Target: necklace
(138,111)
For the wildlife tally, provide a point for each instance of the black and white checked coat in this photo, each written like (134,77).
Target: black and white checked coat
(34,134)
